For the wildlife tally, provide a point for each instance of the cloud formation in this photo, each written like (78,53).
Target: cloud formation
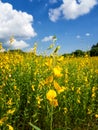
(87,34)
(78,36)
(16,23)
(54,14)
(72,9)
(47,38)
(19,44)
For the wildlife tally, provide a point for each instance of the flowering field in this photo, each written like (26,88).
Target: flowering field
(48,92)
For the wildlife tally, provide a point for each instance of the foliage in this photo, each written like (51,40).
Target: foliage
(16,50)
(94,50)
(78,53)
(48,93)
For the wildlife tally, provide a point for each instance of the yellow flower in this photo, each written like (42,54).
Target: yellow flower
(48,62)
(96,115)
(54,102)
(78,91)
(33,87)
(9,102)
(2,120)
(65,110)
(96,71)
(85,79)
(15,87)
(61,58)
(51,94)
(10,111)
(49,79)
(57,71)
(93,89)
(73,88)
(57,87)
(89,111)
(93,95)
(38,100)
(10,127)
(78,101)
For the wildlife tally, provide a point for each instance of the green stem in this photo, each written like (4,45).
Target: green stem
(51,118)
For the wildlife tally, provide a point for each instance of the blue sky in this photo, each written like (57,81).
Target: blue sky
(74,22)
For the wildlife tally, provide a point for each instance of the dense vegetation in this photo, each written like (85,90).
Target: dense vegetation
(48,93)
(94,50)
(79,53)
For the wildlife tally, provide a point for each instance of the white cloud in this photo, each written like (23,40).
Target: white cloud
(78,36)
(71,9)
(48,38)
(16,23)
(54,14)
(19,44)
(87,34)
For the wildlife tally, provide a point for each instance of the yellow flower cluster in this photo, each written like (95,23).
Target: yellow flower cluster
(57,71)
(51,95)
(58,88)
(39,83)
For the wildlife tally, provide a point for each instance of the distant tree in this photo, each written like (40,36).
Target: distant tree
(16,50)
(95,45)
(87,53)
(94,50)
(67,55)
(78,53)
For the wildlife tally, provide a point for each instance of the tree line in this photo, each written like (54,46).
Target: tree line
(92,52)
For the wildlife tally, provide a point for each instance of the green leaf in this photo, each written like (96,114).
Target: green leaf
(56,49)
(35,127)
